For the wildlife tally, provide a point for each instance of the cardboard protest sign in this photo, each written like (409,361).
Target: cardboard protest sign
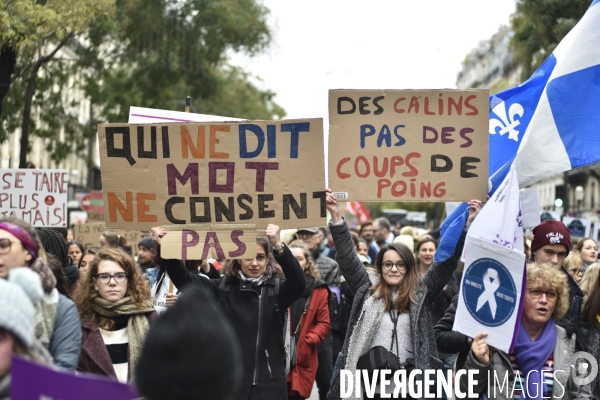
(408,145)
(255,172)
(578,227)
(31,381)
(37,196)
(199,243)
(88,234)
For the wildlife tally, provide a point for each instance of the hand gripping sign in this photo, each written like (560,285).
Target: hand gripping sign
(490,293)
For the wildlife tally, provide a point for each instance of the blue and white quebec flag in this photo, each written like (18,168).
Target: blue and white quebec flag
(551,123)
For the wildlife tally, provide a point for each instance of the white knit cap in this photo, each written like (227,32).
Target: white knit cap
(17,295)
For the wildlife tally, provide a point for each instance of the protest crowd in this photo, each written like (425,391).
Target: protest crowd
(215,263)
(157,323)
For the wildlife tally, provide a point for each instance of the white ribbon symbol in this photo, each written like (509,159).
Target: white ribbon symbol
(490,288)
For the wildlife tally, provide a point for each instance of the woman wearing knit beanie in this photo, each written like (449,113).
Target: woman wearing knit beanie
(17,316)
(57,323)
(115,307)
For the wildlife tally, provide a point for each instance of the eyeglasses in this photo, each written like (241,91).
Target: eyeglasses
(119,277)
(576,270)
(388,265)
(537,293)
(5,245)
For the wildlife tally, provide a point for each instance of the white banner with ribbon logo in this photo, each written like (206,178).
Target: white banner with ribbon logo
(490,292)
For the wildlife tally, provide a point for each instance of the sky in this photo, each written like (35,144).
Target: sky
(377,44)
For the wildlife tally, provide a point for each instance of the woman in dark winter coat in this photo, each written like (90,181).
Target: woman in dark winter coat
(310,324)
(391,303)
(116,310)
(247,296)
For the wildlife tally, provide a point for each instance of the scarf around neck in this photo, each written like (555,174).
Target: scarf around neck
(259,280)
(531,356)
(137,325)
(366,326)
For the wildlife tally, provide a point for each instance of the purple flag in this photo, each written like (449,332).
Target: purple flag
(31,381)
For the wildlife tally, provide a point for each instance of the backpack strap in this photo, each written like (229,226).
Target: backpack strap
(224,289)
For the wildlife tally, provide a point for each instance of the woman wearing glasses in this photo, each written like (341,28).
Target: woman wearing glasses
(574,266)
(247,295)
(391,305)
(115,308)
(542,357)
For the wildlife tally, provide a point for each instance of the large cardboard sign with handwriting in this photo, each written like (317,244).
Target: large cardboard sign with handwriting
(408,145)
(255,172)
(37,196)
(88,234)
(201,243)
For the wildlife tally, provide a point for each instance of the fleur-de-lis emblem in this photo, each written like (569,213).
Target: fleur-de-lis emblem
(508,122)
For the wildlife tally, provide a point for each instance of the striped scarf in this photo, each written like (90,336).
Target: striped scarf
(259,280)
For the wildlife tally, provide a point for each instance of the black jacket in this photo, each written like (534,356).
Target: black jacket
(448,341)
(255,323)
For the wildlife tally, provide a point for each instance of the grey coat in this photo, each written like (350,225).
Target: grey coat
(564,387)
(421,327)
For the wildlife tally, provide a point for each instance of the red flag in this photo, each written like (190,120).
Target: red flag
(358,208)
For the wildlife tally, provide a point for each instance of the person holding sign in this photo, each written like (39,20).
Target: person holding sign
(115,308)
(255,300)
(541,362)
(391,305)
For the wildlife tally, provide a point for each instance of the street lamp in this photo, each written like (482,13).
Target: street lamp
(579,197)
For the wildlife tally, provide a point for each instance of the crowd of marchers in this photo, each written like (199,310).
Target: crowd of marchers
(312,302)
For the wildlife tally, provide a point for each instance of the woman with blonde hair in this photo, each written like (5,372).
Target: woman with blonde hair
(115,308)
(390,322)
(309,323)
(541,345)
(589,278)
(574,266)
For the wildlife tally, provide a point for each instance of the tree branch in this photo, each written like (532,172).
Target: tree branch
(45,59)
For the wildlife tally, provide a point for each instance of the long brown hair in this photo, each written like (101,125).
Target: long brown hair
(311,268)
(408,284)
(233,267)
(137,288)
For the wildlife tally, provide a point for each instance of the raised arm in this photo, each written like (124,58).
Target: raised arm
(439,274)
(352,268)
(295,281)
(178,273)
